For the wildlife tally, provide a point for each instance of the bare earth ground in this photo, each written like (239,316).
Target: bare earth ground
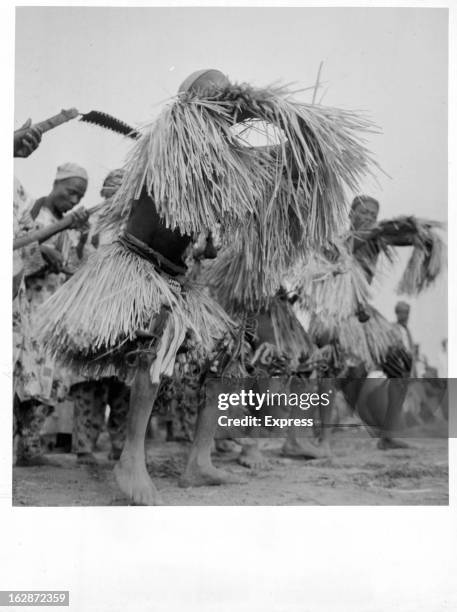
(357,474)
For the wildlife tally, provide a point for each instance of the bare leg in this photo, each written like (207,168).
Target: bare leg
(251,456)
(89,400)
(299,447)
(296,447)
(396,393)
(200,470)
(30,417)
(324,417)
(131,473)
(379,406)
(118,399)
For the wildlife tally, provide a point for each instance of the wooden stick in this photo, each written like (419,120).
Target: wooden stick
(56,120)
(42,234)
(323,95)
(317,85)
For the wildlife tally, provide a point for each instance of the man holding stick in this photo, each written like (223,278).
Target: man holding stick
(37,382)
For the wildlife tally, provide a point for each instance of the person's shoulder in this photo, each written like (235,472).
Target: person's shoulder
(20,196)
(43,214)
(22,206)
(17,185)
(399,330)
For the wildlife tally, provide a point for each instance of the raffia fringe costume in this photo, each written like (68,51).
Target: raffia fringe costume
(201,173)
(247,277)
(334,288)
(117,293)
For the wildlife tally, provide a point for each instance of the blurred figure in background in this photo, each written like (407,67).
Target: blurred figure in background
(38,382)
(111,184)
(402,312)
(443,359)
(26,140)
(420,362)
(91,397)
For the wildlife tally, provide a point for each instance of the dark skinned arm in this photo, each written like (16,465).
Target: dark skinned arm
(401,231)
(398,232)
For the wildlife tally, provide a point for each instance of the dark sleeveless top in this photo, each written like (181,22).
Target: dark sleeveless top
(146,226)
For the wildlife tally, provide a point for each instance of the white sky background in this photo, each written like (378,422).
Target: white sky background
(391,63)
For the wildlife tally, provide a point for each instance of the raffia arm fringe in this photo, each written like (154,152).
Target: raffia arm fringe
(331,288)
(426,261)
(291,338)
(368,341)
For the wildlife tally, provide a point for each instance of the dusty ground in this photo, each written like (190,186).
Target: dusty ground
(357,474)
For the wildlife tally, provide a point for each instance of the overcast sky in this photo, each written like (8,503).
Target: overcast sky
(391,63)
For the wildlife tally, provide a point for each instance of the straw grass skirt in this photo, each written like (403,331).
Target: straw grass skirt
(91,322)
(368,342)
(270,342)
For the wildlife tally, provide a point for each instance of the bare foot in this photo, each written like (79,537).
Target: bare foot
(391,444)
(325,447)
(207,476)
(134,481)
(251,457)
(86,459)
(304,450)
(226,446)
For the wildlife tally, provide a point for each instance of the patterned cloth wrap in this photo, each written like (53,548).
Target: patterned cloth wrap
(28,259)
(36,374)
(181,395)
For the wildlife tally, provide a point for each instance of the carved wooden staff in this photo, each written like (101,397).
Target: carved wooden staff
(56,120)
(99,118)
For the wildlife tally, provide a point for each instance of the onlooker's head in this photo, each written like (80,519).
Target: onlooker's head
(69,187)
(364,212)
(112,183)
(402,310)
(444,344)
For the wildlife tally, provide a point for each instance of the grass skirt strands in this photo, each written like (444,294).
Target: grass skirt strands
(291,338)
(199,170)
(91,322)
(251,268)
(243,276)
(233,284)
(427,258)
(244,281)
(426,261)
(368,341)
(333,286)
(332,289)
(290,345)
